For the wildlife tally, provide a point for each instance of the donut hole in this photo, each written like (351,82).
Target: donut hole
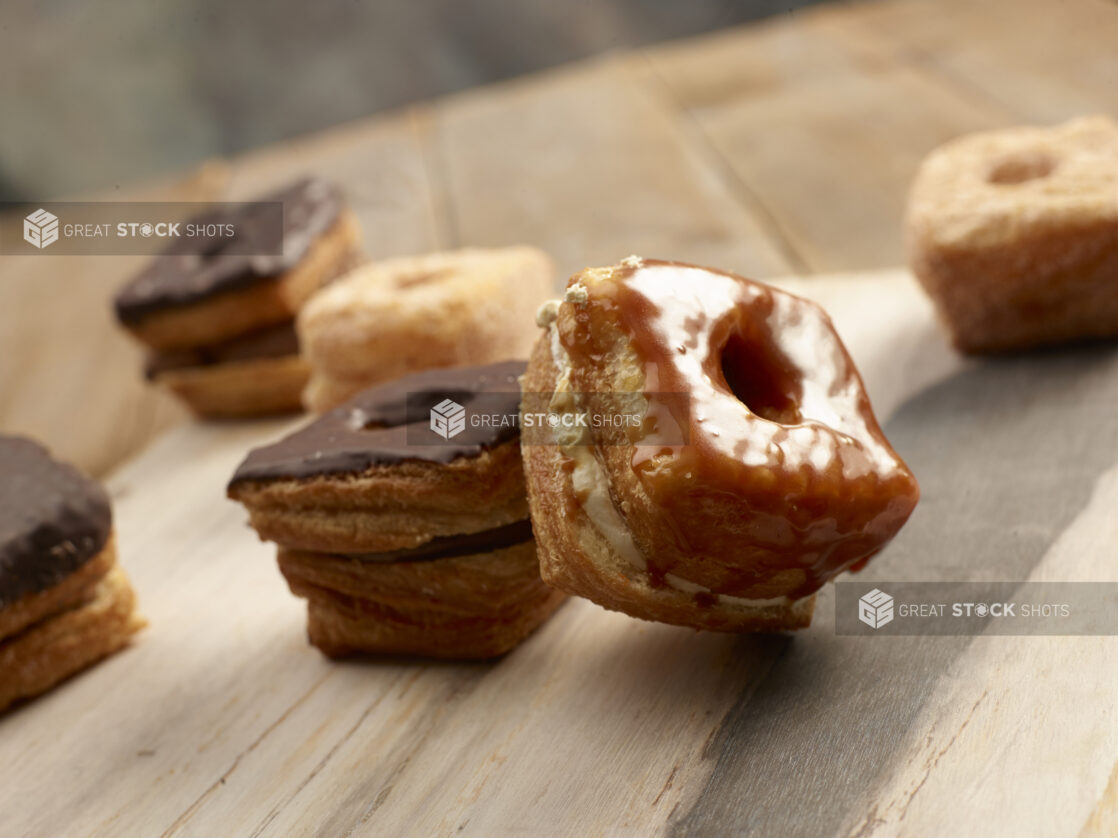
(422,277)
(1021,167)
(761,378)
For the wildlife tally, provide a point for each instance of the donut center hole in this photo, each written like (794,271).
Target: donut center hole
(422,277)
(1022,167)
(761,378)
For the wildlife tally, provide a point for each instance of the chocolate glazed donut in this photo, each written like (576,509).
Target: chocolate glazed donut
(756,472)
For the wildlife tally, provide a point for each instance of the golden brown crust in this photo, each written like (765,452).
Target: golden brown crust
(74,589)
(390,507)
(476,606)
(236,389)
(763,500)
(412,313)
(266,303)
(577,558)
(48,652)
(1014,235)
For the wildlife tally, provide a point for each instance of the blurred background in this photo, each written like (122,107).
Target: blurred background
(101,92)
(762,137)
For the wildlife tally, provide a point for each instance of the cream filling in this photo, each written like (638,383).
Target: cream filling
(591,486)
(695,588)
(588,477)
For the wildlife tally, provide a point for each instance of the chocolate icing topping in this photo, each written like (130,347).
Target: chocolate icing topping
(371,429)
(453,546)
(271,342)
(53,519)
(198,267)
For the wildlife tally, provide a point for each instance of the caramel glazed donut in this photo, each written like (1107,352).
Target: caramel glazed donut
(755,473)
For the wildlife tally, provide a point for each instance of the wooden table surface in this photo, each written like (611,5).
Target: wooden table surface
(773,149)
(777,149)
(221,720)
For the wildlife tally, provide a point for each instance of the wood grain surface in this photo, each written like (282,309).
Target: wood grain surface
(222,720)
(784,148)
(770,149)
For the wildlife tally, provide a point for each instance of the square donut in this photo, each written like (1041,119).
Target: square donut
(404,540)
(1014,235)
(411,313)
(217,314)
(65,603)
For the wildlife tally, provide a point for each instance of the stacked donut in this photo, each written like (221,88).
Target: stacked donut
(396,551)
(402,540)
(216,312)
(65,603)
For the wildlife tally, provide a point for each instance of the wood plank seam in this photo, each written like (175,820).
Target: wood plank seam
(444,218)
(741,191)
(911,55)
(969,89)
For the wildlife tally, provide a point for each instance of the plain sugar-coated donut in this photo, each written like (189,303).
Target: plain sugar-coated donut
(1014,235)
(414,313)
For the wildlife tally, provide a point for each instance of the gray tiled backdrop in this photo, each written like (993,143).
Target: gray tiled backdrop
(99,92)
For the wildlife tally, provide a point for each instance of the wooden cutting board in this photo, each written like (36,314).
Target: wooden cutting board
(221,720)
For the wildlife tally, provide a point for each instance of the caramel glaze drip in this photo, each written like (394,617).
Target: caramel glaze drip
(785,479)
